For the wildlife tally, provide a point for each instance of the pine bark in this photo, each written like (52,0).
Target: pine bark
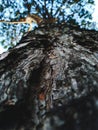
(49,81)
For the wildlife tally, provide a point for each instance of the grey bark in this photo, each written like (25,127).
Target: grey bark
(49,81)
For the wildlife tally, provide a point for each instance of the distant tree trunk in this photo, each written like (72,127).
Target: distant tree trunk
(49,81)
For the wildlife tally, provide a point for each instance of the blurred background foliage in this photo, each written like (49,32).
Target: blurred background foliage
(76,12)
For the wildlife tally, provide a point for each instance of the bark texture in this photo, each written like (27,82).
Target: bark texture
(49,81)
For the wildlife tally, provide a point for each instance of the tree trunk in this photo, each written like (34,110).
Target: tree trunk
(49,81)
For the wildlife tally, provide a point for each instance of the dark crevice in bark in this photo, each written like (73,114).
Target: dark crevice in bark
(14,116)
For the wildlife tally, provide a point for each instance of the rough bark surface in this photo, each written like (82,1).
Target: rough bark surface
(49,81)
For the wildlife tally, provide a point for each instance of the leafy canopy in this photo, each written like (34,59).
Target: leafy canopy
(78,12)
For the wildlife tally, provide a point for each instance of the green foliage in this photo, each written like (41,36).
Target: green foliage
(72,11)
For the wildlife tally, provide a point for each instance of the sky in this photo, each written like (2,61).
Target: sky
(2,49)
(95,14)
(95,19)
